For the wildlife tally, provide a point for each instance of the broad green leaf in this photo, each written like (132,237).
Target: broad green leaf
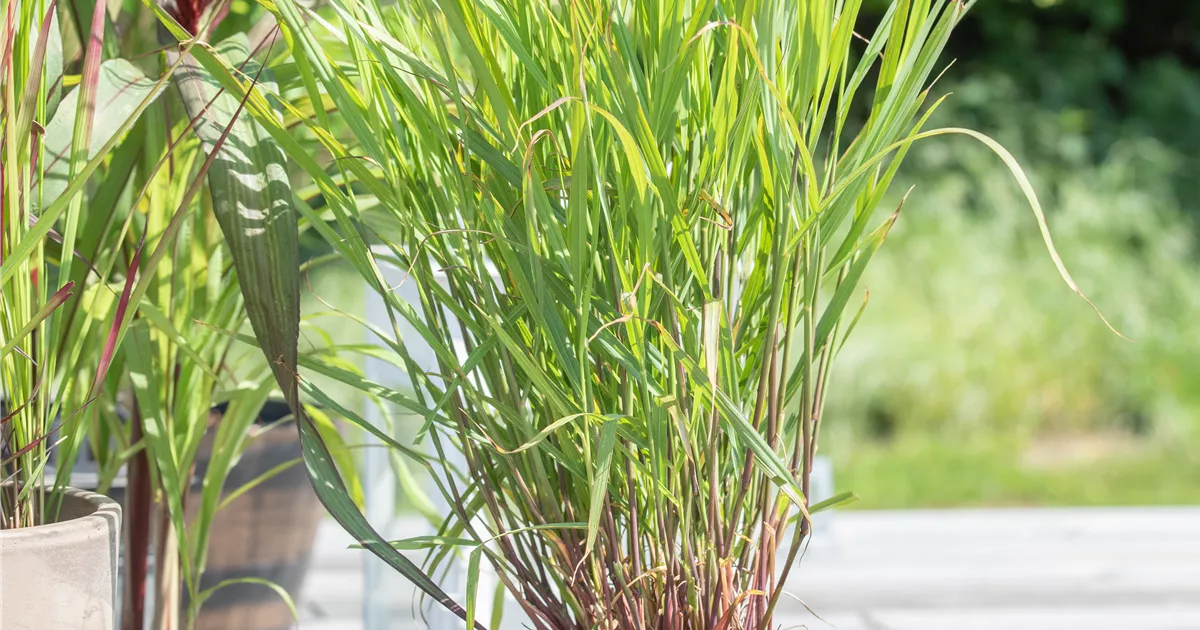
(336,498)
(341,454)
(121,92)
(252,200)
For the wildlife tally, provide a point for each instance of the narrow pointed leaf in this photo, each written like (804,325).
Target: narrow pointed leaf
(279,590)
(47,309)
(608,440)
(473,584)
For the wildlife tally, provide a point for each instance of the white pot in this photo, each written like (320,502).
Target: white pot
(63,574)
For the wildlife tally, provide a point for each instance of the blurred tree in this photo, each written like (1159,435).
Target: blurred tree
(1063,81)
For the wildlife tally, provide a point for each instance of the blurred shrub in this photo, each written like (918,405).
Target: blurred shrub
(971,333)
(1109,69)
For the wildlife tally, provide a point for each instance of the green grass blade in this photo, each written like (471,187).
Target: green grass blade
(600,480)
(473,584)
(279,590)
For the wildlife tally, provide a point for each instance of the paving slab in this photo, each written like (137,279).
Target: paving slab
(1156,617)
(1011,569)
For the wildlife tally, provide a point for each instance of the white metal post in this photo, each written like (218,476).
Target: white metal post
(379,481)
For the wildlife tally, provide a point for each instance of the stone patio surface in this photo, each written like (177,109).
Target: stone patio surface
(1002,569)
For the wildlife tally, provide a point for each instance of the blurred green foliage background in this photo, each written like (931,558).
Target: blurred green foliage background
(976,377)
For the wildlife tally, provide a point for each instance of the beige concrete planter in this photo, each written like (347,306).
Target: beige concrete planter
(63,574)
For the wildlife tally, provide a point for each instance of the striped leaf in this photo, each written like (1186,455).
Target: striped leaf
(252,199)
(120,92)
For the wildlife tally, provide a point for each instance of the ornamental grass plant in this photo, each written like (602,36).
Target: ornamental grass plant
(116,290)
(637,230)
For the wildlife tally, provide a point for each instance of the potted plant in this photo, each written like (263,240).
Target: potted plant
(197,413)
(60,316)
(117,313)
(652,219)
(214,483)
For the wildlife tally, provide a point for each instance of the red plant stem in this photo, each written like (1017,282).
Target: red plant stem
(137,533)
(634,540)
(3,198)
(612,544)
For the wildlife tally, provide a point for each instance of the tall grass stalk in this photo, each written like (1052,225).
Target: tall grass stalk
(645,222)
(28,300)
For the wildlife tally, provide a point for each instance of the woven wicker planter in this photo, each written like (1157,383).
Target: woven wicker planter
(266,533)
(63,574)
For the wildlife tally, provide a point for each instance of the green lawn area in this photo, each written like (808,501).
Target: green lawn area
(925,472)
